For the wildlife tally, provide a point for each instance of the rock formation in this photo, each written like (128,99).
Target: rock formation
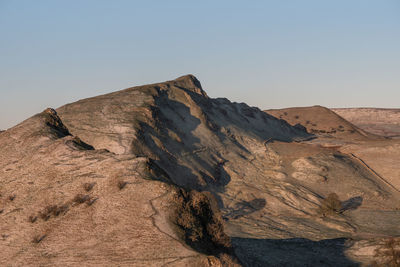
(162,174)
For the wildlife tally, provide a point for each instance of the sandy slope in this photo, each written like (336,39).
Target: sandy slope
(321,121)
(42,166)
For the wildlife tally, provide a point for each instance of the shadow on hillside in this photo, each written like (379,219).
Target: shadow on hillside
(291,252)
(352,203)
(244,208)
(192,160)
(174,147)
(251,120)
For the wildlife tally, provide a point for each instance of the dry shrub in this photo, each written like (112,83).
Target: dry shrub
(54,210)
(45,214)
(80,199)
(11,197)
(38,238)
(223,260)
(32,218)
(389,253)
(88,186)
(60,210)
(212,261)
(202,225)
(91,201)
(121,184)
(330,205)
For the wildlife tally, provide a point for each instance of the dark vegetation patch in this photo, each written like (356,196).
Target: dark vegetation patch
(121,184)
(32,218)
(330,205)
(38,238)
(91,201)
(88,186)
(12,197)
(53,210)
(388,254)
(57,210)
(80,198)
(201,225)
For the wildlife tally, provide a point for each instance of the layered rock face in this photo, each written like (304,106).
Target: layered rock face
(162,174)
(178,126)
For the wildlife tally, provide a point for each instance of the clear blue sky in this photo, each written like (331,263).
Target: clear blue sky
(270,54)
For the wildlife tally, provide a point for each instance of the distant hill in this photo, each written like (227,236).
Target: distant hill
(385,122)
(321,121)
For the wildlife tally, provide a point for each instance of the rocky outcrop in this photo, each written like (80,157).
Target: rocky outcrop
(177,125)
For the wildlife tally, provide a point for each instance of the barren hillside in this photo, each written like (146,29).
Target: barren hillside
(116,180)
(385,122)
(65,204)
(321,121)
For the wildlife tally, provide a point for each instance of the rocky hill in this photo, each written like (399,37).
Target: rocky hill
(162,174)
(178,125)
(384,122)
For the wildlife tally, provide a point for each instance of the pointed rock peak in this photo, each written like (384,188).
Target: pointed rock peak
(50,111)
(191,83)
(53,121)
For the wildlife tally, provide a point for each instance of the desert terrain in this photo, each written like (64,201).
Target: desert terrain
(164,175)
(385,122)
